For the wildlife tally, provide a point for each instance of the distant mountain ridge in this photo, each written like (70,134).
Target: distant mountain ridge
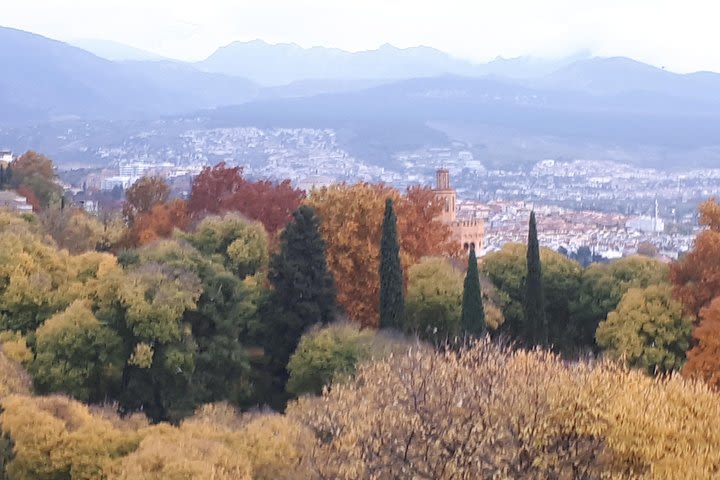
(285,63)
(114,51)
(617,75)
(380,100)
(47,79)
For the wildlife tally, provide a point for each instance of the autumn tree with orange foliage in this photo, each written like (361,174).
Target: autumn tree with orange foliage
(143,195)
(351,219)
(703,360)
(33,176)
(223,189)
(148,213)
(696,276)
(159,222)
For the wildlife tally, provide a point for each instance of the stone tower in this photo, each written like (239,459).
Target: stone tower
(467,233)
(446,195)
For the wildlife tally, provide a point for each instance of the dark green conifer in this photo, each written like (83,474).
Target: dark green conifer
(536,326)
(472,319)
(304,289)
(392,301)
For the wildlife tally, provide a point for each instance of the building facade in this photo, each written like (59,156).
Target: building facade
(6,156)
(467,233)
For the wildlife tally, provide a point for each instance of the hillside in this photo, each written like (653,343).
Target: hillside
(48,79)
(114,51)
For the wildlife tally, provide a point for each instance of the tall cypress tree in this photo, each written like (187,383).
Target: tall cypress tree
(392,302)
(472,319)
(536,326)
(304,289)
(2,177)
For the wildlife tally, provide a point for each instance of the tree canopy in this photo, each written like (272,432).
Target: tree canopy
(649,330)
(696,276)
(33,175)
(560,276)
(602,287)
(351,223)
(221,189)
(434,300)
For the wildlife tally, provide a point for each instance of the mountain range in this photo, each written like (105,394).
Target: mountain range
(114,51)
(383,99)
(46,79)
(281,64)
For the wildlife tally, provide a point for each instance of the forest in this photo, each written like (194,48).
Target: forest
(251,331)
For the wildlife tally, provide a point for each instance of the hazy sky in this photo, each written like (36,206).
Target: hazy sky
(682,35)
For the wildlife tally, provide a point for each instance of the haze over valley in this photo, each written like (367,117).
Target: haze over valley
(389,114)
(380,101)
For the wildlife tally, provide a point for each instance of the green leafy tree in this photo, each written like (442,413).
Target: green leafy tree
(473,314)
(536,325)
(242,244)
(434,300)
(77,355)
(208,353)
(332,354)
(37,280)
(601,288)
(507,268)
(327,354)
(649,330)
(158,343)
(392,303)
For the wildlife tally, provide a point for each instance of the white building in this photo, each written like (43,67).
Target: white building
(10,200)
(6,156)
(139,169)
(646,224)
(122,181)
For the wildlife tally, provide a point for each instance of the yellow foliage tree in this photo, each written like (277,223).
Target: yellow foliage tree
(648,329)
(194,452)
(37,280)
(73,229)
(13,378)
(494,413)
(56,437)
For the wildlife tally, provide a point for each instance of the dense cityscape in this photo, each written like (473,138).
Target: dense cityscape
(610,207)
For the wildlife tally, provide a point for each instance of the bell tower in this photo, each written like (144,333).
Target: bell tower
(446,195)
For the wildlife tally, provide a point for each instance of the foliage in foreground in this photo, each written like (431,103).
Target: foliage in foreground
(333,353)
(494,413)
(484,413)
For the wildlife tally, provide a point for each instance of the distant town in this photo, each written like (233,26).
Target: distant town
(609,207)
